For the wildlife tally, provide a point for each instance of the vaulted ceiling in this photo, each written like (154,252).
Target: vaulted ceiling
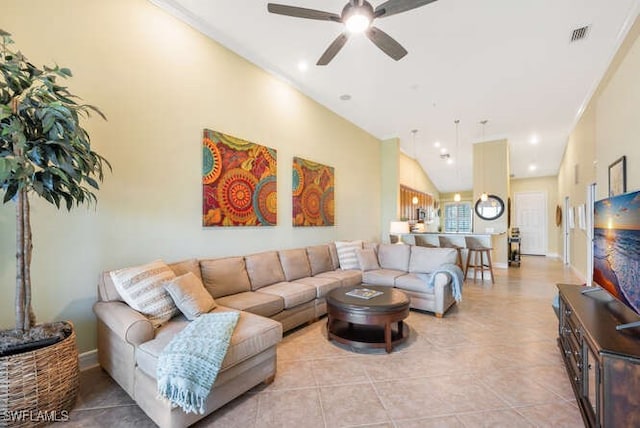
(508,62)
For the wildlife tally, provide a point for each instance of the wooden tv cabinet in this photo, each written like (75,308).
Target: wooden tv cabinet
(603,363)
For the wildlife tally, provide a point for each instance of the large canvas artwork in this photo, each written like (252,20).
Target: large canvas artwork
(238,182)
(616,247)
(313,203)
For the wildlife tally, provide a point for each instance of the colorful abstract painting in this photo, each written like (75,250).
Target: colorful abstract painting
(313,203)
(238,182)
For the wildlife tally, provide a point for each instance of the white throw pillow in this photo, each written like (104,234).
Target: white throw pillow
(190,296)
(142,288)
(347,254)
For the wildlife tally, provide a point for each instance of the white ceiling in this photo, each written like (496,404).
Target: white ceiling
(506,61)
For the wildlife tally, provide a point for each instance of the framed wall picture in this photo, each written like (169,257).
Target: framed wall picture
(618,177)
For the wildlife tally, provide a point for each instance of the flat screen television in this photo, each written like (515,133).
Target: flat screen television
(616,247)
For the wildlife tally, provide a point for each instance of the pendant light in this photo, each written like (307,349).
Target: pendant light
(457,196)
(484,196)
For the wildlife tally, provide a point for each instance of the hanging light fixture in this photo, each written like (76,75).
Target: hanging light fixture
(415,199)
(484,196)
(457,196)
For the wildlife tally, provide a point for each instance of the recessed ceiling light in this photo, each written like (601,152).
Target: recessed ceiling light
(534,139)
(345,97)
(443,150)
(436,144)
(303,66)
(449,161)
(532,167)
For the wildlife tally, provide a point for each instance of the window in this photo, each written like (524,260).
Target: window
(458,217)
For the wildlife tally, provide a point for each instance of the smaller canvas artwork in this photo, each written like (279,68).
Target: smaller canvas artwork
(313,187)
(239,185)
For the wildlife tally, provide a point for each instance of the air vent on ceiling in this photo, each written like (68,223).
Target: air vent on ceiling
(579,33)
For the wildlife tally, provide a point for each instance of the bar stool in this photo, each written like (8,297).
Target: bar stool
(478,251)
(421,241)
(447,243)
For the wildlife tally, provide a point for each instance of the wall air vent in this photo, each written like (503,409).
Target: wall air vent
(579,33)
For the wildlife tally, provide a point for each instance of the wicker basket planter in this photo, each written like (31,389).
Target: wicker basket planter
(39,387)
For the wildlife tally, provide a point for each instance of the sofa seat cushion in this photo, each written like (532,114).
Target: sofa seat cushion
(256,303)
(323,285)
(252,335)
(293,293)
(420,282)
(381,277)
(346,277)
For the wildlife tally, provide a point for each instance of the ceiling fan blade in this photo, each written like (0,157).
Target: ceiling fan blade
(301,12)
(333,49)
(392,7)
(386,43)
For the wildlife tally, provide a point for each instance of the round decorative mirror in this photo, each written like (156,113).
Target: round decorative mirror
(490,209)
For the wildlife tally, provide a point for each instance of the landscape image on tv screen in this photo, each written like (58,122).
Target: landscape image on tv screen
(616,247)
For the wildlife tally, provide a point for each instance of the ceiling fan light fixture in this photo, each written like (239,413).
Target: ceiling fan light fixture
(357,22)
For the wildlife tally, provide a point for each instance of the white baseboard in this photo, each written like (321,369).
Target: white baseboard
(554,255)
(88,360)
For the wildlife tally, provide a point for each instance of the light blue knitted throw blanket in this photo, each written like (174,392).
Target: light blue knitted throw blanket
(456,275)
(189,364)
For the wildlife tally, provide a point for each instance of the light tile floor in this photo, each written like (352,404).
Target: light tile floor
(491,362)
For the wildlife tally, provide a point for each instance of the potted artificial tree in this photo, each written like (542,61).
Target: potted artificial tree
(44,151)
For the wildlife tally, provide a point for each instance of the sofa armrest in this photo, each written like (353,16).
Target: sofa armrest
(130,325)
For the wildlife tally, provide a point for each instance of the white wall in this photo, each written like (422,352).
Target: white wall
(160,83)
(608,129)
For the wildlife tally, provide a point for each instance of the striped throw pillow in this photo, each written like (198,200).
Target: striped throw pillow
(347,254)
(142,288)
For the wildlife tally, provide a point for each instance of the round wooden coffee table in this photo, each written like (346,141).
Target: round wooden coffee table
(367,323)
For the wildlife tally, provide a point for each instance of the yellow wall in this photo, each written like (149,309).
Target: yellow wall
(491,175)
(608,129)
(160,83)
(549,186)
(390,188)
(413,176)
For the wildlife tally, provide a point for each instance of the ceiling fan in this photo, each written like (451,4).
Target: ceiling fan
(357,17)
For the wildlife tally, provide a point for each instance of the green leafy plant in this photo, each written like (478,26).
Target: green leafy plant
(43,151)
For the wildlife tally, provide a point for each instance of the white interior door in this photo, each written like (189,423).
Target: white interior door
(531,219)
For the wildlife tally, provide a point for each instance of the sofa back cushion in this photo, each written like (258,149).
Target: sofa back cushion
(295,264)
(427,260)
(223,277)
(106,289)
(185,266)
(264,269)
(333,252)
(319,259)
(394,256)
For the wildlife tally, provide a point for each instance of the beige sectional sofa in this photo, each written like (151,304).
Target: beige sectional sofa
(274,291)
